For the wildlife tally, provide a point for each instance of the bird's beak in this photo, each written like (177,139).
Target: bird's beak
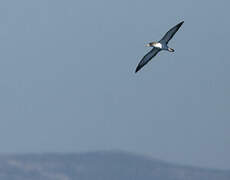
(147,45)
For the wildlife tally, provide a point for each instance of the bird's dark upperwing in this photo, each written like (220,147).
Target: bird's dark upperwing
(147,58)
(171,33)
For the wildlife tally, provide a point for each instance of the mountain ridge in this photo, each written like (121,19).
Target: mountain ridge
(101,165)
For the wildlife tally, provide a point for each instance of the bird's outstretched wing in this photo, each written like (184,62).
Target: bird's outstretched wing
(171,33)
(147,58)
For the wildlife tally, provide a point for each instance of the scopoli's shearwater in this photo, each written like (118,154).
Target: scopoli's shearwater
(158,46)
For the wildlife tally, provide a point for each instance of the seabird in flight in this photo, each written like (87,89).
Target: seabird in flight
(158,46)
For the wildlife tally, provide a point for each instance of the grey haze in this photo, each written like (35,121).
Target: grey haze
(67,79)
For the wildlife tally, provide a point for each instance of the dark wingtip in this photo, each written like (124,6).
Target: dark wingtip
(137,69)
(180,24)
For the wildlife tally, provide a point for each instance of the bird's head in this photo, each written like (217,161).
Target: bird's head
(151,44)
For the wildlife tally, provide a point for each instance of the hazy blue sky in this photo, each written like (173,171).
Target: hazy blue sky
(67,78)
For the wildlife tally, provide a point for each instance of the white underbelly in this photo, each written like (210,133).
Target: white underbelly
(158,45)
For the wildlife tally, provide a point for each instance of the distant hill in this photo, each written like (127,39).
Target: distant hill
(99,166)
